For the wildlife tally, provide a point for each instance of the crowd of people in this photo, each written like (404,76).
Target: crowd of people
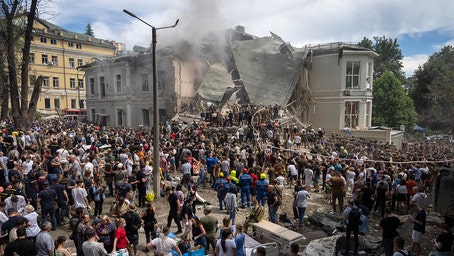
(56,172)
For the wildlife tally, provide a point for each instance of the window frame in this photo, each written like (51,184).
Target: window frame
(46,81)
(73,103)
(55,82)
(102,87)
(47,103)
(80,83)
(57,103)
(351,114)
(71,63)
(44,59)
(91,81)
(353,74)
(72,83)
(54,59)
(118,83)
(145,83)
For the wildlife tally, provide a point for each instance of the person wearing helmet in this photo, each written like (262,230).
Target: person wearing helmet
(229,185)
(219,188)
(245,186)
(261,187)
(233,177)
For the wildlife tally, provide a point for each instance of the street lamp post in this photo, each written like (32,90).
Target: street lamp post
(156,175)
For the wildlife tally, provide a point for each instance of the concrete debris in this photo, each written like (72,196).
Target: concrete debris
(323,246)
(328,219)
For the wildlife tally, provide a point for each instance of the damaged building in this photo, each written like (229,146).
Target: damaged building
(327,86)
(119,90)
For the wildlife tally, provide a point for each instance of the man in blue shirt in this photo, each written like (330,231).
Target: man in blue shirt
(47,197)
(211,161)
(44,242)
(261,188)
(219,188)
(245,185)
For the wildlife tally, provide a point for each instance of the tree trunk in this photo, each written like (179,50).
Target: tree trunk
(4,91)
(23,111)
(11,60)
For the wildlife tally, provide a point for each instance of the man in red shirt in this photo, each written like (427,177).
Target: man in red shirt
(410,183)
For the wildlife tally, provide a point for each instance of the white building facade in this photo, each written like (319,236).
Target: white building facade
(341,81)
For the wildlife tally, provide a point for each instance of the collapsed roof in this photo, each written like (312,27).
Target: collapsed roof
(216,81)
(268,71)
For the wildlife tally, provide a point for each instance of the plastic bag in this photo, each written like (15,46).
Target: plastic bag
(149,196)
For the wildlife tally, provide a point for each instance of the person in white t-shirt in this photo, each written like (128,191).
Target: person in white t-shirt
(280,179)
(89,167)
(80,196)
(308,176)
(27,165)
(350,178)
(225,246)
(164,244)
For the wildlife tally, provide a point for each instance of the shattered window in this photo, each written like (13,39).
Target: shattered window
(145,82)
(161,80)
(92,86)
(352,75)
(146,117)
(102,86)
(351,114)
(118,82)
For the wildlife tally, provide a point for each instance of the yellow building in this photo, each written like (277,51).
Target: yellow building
(56,55)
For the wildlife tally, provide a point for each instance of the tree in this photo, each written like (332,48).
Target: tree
(433,91)
(89,31)
(392,107)
(390,56)
(19,19)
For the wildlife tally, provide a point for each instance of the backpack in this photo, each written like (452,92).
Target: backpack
(354,217)
(73,223)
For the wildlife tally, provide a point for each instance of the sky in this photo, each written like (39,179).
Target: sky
(422,27)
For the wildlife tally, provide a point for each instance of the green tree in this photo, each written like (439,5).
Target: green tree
(392,107)
(433,91)
(19,17)
(390,56)
(89,31)
(366,43)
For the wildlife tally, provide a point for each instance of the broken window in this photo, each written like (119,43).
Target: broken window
(57,103)
(73,103)
(47,103)
(92,86)
(119,117)
(351,114)
(102,86)
(118,82)
(352,75)
(145,82)
(146,117)
(162,113)
(161,80)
